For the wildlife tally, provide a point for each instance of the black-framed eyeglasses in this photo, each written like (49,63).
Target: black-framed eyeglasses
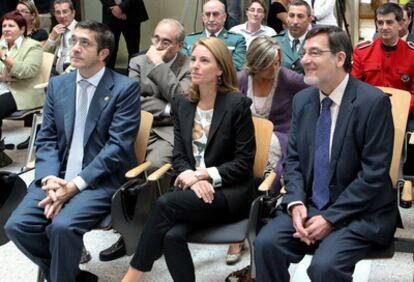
(314,52)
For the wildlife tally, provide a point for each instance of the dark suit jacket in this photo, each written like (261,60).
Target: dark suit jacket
(361,192)
(134,10)
(230,146)
(111,127)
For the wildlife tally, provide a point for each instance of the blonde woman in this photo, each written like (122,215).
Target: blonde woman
(31,15)
(214,149)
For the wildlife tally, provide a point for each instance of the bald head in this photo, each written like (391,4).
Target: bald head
(214,16)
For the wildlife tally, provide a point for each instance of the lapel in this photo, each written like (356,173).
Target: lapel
(341,126)
(187,114)
(310,117)
(68,90)
(288,49)
(178,63)
(220,109)
(98,103)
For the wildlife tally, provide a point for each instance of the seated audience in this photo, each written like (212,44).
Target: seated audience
(255,13)
(20,62)
(388,60)
(339,199)
(323,12)
(271,87)
(83,149)
(214,17)
(233,12)
(214,149)
(58,41)
(163,73)
(291,41)
(31,15)
(276,18)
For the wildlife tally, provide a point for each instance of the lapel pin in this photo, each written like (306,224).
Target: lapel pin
(106,98)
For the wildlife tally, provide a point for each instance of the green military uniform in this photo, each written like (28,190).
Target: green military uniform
(235,42)
(290,59)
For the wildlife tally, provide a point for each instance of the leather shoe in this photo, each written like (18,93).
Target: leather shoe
(23,145)
(86,276)
(235,257)
(115,251)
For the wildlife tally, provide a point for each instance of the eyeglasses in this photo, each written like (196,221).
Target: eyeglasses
(24,12)
(313,52)
(63,13)
(84,43)
(165,43)
(259,11)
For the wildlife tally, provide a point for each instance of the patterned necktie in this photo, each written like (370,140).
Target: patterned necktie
(295,45)
(320,195)
(75,158)
(63,53)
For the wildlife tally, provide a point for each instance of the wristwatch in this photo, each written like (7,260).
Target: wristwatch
(197,174)
(3,57)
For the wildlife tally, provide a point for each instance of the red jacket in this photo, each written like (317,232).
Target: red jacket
(378,67)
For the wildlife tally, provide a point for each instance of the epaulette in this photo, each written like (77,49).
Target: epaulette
(410,44)
(282,33)
(364,44)
(195,33)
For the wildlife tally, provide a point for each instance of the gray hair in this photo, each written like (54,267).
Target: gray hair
(181,32)
(261,54)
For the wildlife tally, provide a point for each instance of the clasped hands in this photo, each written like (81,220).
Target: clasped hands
(309,230)
(58,191)
(117,13)
(201,187)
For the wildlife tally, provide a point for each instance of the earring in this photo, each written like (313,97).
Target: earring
(219,80)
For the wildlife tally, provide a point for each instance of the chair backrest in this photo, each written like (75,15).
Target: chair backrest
(400,104)
(46,68)
(263,130)
(141,141)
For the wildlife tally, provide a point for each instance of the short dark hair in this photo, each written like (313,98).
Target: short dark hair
(390,8)
(62,2)
(338,42)
(302,3)
(103,35)
(408,9)
(18,18)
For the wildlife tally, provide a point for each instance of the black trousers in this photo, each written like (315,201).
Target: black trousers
(165,232)
(131,32)
(334,258)
(7,107)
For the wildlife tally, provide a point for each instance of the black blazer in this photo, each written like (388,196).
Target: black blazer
(134,10)
(230,146)
(361,192)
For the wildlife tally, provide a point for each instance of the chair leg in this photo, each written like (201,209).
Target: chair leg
(40,275)
(37,121)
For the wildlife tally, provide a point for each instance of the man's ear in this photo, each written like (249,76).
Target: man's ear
(103,54)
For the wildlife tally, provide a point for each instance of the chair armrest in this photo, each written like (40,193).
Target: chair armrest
(41,85)
(137,170)
(156,175)
(30,165)
(267,182)
(411,141)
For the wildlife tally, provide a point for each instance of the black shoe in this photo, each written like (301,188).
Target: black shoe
(23,145)
(5,160)
(85,257)
(85,276)
(115,251)
(9,146)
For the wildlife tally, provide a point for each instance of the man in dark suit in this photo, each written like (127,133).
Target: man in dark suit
(340,201)
(124,16)
(90,121)
(163,73)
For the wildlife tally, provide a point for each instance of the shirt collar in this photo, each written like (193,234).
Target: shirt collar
(338,93)
(94,80)
(72,25)
(17,43)
(216,34)
(301,39)
(244,28)
(169,63)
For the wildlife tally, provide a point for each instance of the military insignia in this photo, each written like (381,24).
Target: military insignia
(225,35)
(405,78)
(106,98)
(364,44)
(410,44)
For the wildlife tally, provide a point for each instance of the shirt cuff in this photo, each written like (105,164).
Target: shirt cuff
(51,42)
(46,178)
(80,183)
(215,176)
(293,204)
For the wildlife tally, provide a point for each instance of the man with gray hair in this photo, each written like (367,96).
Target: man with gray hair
(163,72)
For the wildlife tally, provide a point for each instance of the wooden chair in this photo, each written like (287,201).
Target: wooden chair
(140,149)
(238,231)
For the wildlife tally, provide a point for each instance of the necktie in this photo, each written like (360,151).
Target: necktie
(295,45)
(75,158)
(63,53)
(313,3)
(320,195)
(212,35)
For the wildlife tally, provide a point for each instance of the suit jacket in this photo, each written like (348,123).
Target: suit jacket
(134,9)
(230,146)
(27,61)
(361,193)
(111,127)
(290,59)
(288,84)
(159,84)
(235,43)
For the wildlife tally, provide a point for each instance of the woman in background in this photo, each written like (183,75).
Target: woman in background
(278,15)
(31,15)
(214,150)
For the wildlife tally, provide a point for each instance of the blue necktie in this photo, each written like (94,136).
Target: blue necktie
(320,195)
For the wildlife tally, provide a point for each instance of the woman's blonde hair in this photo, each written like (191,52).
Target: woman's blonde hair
(227,82)
(261,54)
(33,10)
